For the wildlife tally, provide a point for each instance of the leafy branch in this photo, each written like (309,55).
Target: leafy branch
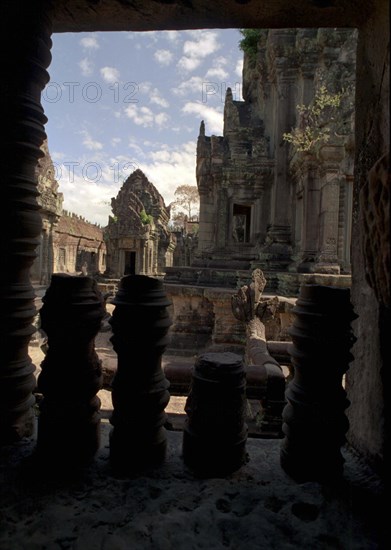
(315,121)
(146,218)
(249,43)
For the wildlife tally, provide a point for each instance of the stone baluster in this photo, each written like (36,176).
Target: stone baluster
(25,77)
(69,419)
(140,323)
(314,420)
(215,433)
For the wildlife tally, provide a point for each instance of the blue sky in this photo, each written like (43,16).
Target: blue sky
(121,101)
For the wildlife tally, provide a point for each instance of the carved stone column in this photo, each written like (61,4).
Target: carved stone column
(311,192)
(214,438)
(277,251)
(206,232)
(327,261)
(314,419)
(23,65)
(140,323)
(69,421)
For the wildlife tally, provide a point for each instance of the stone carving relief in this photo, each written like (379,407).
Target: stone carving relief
(375,210)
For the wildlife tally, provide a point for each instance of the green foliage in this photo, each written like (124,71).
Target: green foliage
(315,121)
(249,43)
(146,218)
(113,219)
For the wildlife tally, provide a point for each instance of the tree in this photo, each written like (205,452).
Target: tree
(188,198)
(178,220)
(249,43)
(315,121)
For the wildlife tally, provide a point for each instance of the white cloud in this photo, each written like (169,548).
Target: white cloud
(156,98)
(164,57)
(204,46)
(142,116)
(221,60)
(57,156)
(136,148)
(172,36)
(161,119)
(88,198)
(110,74)
(217,72)
(86,66)
(115,141)
(188,86)
(89,42)
(195,51)
(189,64)
(171,167)
(90,143)
(239,67)
(212,117)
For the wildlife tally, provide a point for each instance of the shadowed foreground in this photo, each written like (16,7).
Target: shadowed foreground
(257,507)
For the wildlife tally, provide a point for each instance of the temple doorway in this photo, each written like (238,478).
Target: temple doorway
(130,262)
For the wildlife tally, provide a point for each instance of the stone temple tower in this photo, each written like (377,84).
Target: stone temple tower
(263,203)
(138,241)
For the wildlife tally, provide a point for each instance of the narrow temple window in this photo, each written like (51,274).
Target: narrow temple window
(241,223)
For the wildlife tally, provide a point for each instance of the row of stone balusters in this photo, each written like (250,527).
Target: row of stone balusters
(69,419)
(215,433)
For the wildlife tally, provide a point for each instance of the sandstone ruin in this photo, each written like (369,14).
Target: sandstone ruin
(68,243)
(271,510)
(266,204)
(138,239)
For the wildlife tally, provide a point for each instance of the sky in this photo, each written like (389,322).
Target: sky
(118,101)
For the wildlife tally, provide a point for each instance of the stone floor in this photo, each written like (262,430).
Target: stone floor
(257,507)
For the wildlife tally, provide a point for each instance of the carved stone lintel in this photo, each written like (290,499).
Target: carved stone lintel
(375,212)
(69,420)
(140,323)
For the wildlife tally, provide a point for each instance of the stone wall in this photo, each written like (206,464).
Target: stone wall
(78,246)
(202,319)
(368,381)
(68,242)
(50,202)
(260,202)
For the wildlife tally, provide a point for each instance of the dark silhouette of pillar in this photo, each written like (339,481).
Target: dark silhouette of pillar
(20,223)
(71,376)
(314,422)
(140,323)
(215,433)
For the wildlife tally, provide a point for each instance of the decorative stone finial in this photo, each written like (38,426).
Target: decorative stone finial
(244,304)
(202,129)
